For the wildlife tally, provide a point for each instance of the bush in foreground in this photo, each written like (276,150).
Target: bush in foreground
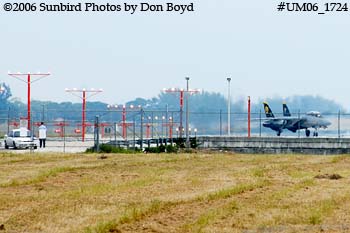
(162,149)
(106,148)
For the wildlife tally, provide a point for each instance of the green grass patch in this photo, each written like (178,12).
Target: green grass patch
(132,213)
(238,189)
(340,158)
(209,217)
(259,172)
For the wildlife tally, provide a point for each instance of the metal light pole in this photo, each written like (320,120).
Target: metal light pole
(27,79)
(229,108)
(92,92)
(182,92)
(187,114)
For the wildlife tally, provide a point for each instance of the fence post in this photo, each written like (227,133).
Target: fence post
(8,120)
(166,123)
(220,122)
(248,116)
(141,129)
(134,136)
(339,124)
(152,124)
(115,134)
(299,123)
(97,134)
(64,135)
(260,123)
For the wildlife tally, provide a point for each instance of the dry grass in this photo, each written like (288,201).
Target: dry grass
(173,193)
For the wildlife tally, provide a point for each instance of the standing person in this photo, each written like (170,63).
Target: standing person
(42,134)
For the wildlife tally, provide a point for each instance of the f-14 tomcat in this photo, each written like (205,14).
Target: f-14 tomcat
(312,119)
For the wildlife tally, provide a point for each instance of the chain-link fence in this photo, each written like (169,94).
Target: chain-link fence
(129,128)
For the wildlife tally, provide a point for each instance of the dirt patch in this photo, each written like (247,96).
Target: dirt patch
(329,176)
(103,157)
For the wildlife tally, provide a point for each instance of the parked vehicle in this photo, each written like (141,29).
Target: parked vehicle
(20,138)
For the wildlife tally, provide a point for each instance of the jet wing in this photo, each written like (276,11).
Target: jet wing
(290,121)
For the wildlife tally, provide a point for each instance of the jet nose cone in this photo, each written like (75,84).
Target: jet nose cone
(327,123)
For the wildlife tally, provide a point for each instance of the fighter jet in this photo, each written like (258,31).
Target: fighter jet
(312,119)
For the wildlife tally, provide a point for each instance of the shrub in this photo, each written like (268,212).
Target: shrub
(171,149)
(106,148)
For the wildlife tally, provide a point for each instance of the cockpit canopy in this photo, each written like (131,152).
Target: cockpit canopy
(314,114)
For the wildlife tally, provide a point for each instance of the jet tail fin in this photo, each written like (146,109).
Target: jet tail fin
(286,111)
(268,110)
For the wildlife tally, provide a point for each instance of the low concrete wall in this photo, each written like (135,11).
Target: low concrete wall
(277,145)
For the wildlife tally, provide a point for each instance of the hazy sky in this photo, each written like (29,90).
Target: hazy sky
(265,52)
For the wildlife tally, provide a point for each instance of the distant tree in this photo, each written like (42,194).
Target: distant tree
(301,103)
(5,94)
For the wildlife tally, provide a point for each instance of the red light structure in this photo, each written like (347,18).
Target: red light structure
(36,124)
(77,130)
(182,92)
(27,78)
(170,124)
(85,95)
(148,130)
(248,116)
(60,130)
(14,123)
(103,125)
(123,123)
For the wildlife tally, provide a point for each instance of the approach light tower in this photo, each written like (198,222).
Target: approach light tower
(124,124)
(182,92)
(27,78)
(85,95)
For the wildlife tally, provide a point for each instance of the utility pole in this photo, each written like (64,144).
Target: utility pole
(27,78)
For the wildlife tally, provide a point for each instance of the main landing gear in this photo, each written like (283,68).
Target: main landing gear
(307,133)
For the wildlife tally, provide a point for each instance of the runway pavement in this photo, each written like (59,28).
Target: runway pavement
(54,146)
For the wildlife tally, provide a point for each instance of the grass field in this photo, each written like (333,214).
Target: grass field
(173,193)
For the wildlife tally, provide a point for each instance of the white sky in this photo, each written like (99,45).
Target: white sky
(265,52)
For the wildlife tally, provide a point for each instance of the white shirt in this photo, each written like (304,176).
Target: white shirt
(42,132)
